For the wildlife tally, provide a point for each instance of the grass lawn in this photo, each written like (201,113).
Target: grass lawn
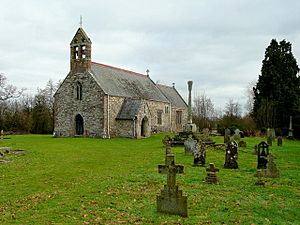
(99,181)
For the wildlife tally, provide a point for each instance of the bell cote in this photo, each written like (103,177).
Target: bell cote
(80,48)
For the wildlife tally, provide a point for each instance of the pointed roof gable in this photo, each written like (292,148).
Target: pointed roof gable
(129,109)
(81,37)
(124,83)
(172,95)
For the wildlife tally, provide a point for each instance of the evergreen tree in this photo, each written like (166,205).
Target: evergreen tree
(277,92)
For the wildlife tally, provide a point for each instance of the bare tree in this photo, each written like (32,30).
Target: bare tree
(8,91)
(203,111)
(250,96)
(233,109)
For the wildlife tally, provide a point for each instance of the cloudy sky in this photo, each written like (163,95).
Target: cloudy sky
(217,44)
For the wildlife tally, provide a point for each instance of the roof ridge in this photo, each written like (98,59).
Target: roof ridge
(164,85)
(116,68)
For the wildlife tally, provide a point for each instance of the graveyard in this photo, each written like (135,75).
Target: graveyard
(117,181)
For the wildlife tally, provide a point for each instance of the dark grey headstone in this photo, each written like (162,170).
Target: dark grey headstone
(200,154)
(231,155)
(262,155)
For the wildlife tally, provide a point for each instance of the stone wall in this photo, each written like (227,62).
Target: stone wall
(91,107)
(154,107)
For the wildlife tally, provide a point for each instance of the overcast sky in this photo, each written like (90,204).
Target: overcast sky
(219,45)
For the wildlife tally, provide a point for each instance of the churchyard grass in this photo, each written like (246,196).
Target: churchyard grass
(99,181)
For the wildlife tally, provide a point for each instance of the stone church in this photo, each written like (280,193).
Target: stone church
(97,100)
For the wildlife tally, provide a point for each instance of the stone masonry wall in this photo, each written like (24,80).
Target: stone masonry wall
(91,107)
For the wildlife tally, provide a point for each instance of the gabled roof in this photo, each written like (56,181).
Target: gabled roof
(129,109)
(172,95)
(80,33)
(119,82)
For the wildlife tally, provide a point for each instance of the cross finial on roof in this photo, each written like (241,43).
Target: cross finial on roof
(147,71)
(80,22)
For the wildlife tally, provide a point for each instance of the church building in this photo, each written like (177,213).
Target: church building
(98,100)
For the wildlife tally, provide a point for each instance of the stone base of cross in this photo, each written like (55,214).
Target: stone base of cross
(211,177)
(171,200)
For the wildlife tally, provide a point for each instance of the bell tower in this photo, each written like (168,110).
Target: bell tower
(80,48)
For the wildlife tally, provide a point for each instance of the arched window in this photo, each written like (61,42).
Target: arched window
(79,91)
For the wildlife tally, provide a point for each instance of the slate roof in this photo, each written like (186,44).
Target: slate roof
(118,82)
(129,109)
(172,95)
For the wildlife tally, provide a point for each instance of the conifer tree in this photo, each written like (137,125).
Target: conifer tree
(277,92)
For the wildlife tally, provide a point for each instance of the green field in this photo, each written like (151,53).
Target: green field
(99,181)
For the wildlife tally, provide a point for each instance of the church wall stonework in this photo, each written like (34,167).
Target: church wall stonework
(91,107)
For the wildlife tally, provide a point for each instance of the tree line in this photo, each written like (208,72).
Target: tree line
(24,113)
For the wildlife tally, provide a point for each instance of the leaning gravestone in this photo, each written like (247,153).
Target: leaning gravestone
(200,154)
(189,145)
(272,170)
(227,134)
(171,200)
(211,177)
(231,155)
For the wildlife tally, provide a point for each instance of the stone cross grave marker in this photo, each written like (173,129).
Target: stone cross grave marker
(189,145)
(211,177)
(171,200)
(231,155)
(262,155)
(200,154)
(227,134)
(167,141)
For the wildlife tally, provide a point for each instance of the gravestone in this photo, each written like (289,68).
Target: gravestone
(171,200)
(2,134)
(211,176)
(242,144)
(237,135)
(290,135)
(167,141)
(189,145)
(206,134)
(279,141)
(227,134)
(200,154)
(272,170)
(262,155)
(231,155)
(269,141)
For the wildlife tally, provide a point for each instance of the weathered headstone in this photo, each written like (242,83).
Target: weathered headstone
(243,144)
(231,155)
(205,134)
(171,200)
(272,170)
(262,155)
(211,177)
(2,134)
(237,135)
(290,134)
(200,154)
(227,134)
(279,141)
(189,145)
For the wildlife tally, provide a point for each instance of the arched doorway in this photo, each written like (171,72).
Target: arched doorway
(79,124)
(144,127)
